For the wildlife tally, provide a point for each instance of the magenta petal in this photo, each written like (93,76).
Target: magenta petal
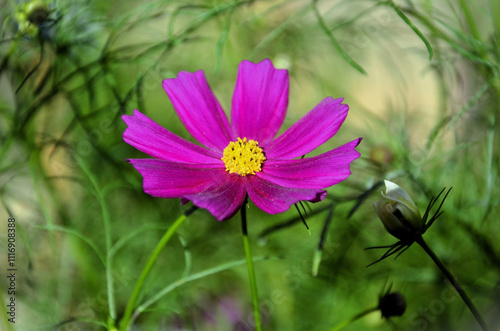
(259,102)
(273,198)
(166,179)
(311,131)
(223,201)
(317,172)
(149,137)
(199,110)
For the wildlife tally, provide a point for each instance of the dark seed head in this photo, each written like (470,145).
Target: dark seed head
(392,304)
(37,12)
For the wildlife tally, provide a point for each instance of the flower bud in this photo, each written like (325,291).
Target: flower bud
(381,155)
(398,212)
(31,15)
(392,304)
(37,12)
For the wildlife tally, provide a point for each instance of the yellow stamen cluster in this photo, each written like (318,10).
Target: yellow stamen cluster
(243,157)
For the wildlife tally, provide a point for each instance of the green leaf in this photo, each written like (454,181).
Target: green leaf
(193,277)
(334,41)
(413,27)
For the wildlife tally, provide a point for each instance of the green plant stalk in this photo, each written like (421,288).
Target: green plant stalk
(5,149)
(495,11)
(77,235)
(333,40)
(280,29)
(490,168)
(353,319)
(413,27)
(319,250)
(438,33)
(189,278)
(251,271)
(33,162)
(453,281)
(470,20)
(106,220)
(473,27)
(438,58)
(219,47)
(109,259)
(124,323)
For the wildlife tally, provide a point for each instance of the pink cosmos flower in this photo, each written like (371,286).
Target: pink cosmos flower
(243,157)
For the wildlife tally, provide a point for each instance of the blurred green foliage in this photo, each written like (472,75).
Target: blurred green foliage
(427,108)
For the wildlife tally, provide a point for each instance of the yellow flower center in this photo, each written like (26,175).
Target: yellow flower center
(243,157)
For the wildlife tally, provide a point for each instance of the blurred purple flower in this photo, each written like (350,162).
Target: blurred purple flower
(212,313)
(243,157)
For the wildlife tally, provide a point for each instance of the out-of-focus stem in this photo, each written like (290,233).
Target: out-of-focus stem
(124,323)
(251,271)
(353,319)
(454,282)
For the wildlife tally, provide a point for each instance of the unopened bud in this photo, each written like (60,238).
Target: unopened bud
(31,15)
(398,212)
(37,12)
(392,304)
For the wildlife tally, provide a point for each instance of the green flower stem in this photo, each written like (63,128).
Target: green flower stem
(124,323)
(251,271)
(355,318)
(106,219)
(495,12)
(454,282)
(470,20)
(334,40)
(192,277)
(407,20)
